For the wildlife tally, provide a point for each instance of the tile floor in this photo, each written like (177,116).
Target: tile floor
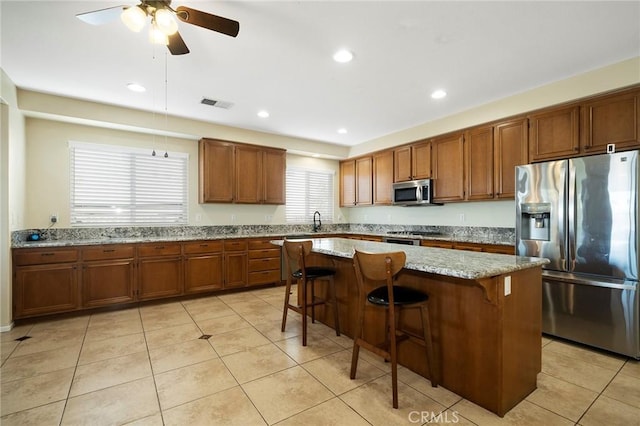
(148,366)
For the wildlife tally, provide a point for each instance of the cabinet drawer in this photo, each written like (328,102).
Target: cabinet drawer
(203,247)
(38,257)
(235,245)
(264,264)
(159,249)
(107,252)
(262,244)
(264,277)
(259,254)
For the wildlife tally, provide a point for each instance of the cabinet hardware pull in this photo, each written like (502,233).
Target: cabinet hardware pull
(108,250)
(159,247)
(204,245)
(47,254)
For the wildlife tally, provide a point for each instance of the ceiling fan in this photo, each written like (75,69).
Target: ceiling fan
(164,28)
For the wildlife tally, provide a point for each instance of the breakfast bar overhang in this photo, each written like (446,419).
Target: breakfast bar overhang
(485,316)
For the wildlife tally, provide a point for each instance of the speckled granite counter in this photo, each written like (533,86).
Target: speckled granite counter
(59,237)
(453,263)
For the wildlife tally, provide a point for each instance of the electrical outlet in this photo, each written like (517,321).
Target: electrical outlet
(461,216)
(198,217)
(268,218)
(507,285)
(53,218)
(233,218)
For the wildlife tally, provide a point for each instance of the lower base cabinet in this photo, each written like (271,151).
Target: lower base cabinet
(159,277)
(108,283)
(45,289)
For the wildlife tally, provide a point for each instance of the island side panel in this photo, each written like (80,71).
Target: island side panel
(489,345)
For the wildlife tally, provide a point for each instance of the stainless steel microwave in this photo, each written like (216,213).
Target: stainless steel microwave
(412,193)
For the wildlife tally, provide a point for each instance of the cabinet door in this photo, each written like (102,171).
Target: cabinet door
(107,283)
(553,134)
(274,167)
(421,160)
(479,154)
(216,174)
(204,273)
(364,181)
(159,277)
(402,164)
(248,175)
(382,177)
(45,289)
(235,269)
(511,149)
(347,183)
(612,120)
(448,162)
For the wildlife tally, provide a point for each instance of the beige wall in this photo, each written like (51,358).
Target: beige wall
(12,187)
(48,174)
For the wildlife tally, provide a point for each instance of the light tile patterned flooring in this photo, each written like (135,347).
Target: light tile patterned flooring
(147,366)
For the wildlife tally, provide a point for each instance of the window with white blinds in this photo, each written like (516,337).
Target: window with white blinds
(309,191)
(124,186)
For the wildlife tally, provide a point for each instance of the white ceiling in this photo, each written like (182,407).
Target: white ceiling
(281,60)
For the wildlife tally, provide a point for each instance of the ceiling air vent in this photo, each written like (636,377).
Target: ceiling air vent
(217,104)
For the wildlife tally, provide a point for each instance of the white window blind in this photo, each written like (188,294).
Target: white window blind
(307,191)
(124,186)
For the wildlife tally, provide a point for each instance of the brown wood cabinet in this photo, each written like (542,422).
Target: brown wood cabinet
(511,141)
(235,263)
(159,270)
(480,155)
(356,182)
(108,275)
(448,168)
(412,162)
(216,171)
(231,172)
(264,262)
(554,133)
(203,266)
(612,119)
(45,281)
(382,177)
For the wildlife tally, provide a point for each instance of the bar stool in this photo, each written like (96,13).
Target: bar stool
(297,253)
(382,267)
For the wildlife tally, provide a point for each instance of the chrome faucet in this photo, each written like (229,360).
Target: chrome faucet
(317,223)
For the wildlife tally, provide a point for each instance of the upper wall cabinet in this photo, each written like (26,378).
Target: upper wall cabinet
(587,127)
(510,141)
(382,177)
(239,173)
(554,133)
(356,182)
(611,120)
(480,155)
(448,168)
(412,162)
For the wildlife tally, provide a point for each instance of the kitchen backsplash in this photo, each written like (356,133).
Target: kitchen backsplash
(471,234)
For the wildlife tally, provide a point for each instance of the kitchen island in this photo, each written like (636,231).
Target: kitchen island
(485,316)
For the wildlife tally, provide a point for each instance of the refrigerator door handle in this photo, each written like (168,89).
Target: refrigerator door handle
(571,216)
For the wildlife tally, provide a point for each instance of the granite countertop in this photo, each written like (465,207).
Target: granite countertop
(454,263)
(201,237)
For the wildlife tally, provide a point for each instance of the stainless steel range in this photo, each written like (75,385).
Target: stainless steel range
(408,237)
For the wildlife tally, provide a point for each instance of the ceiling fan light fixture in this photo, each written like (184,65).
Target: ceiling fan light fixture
(157,36)
(134,18)
(166,22)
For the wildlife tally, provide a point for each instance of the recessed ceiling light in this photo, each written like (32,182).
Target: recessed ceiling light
(343,56)
(263,114)
(342,131)
(439,94)
(135,87)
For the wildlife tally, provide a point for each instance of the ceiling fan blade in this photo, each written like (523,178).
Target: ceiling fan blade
(208,21)
(102,16)
(177,45)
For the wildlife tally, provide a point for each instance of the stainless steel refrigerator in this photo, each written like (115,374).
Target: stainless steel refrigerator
(582,214)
